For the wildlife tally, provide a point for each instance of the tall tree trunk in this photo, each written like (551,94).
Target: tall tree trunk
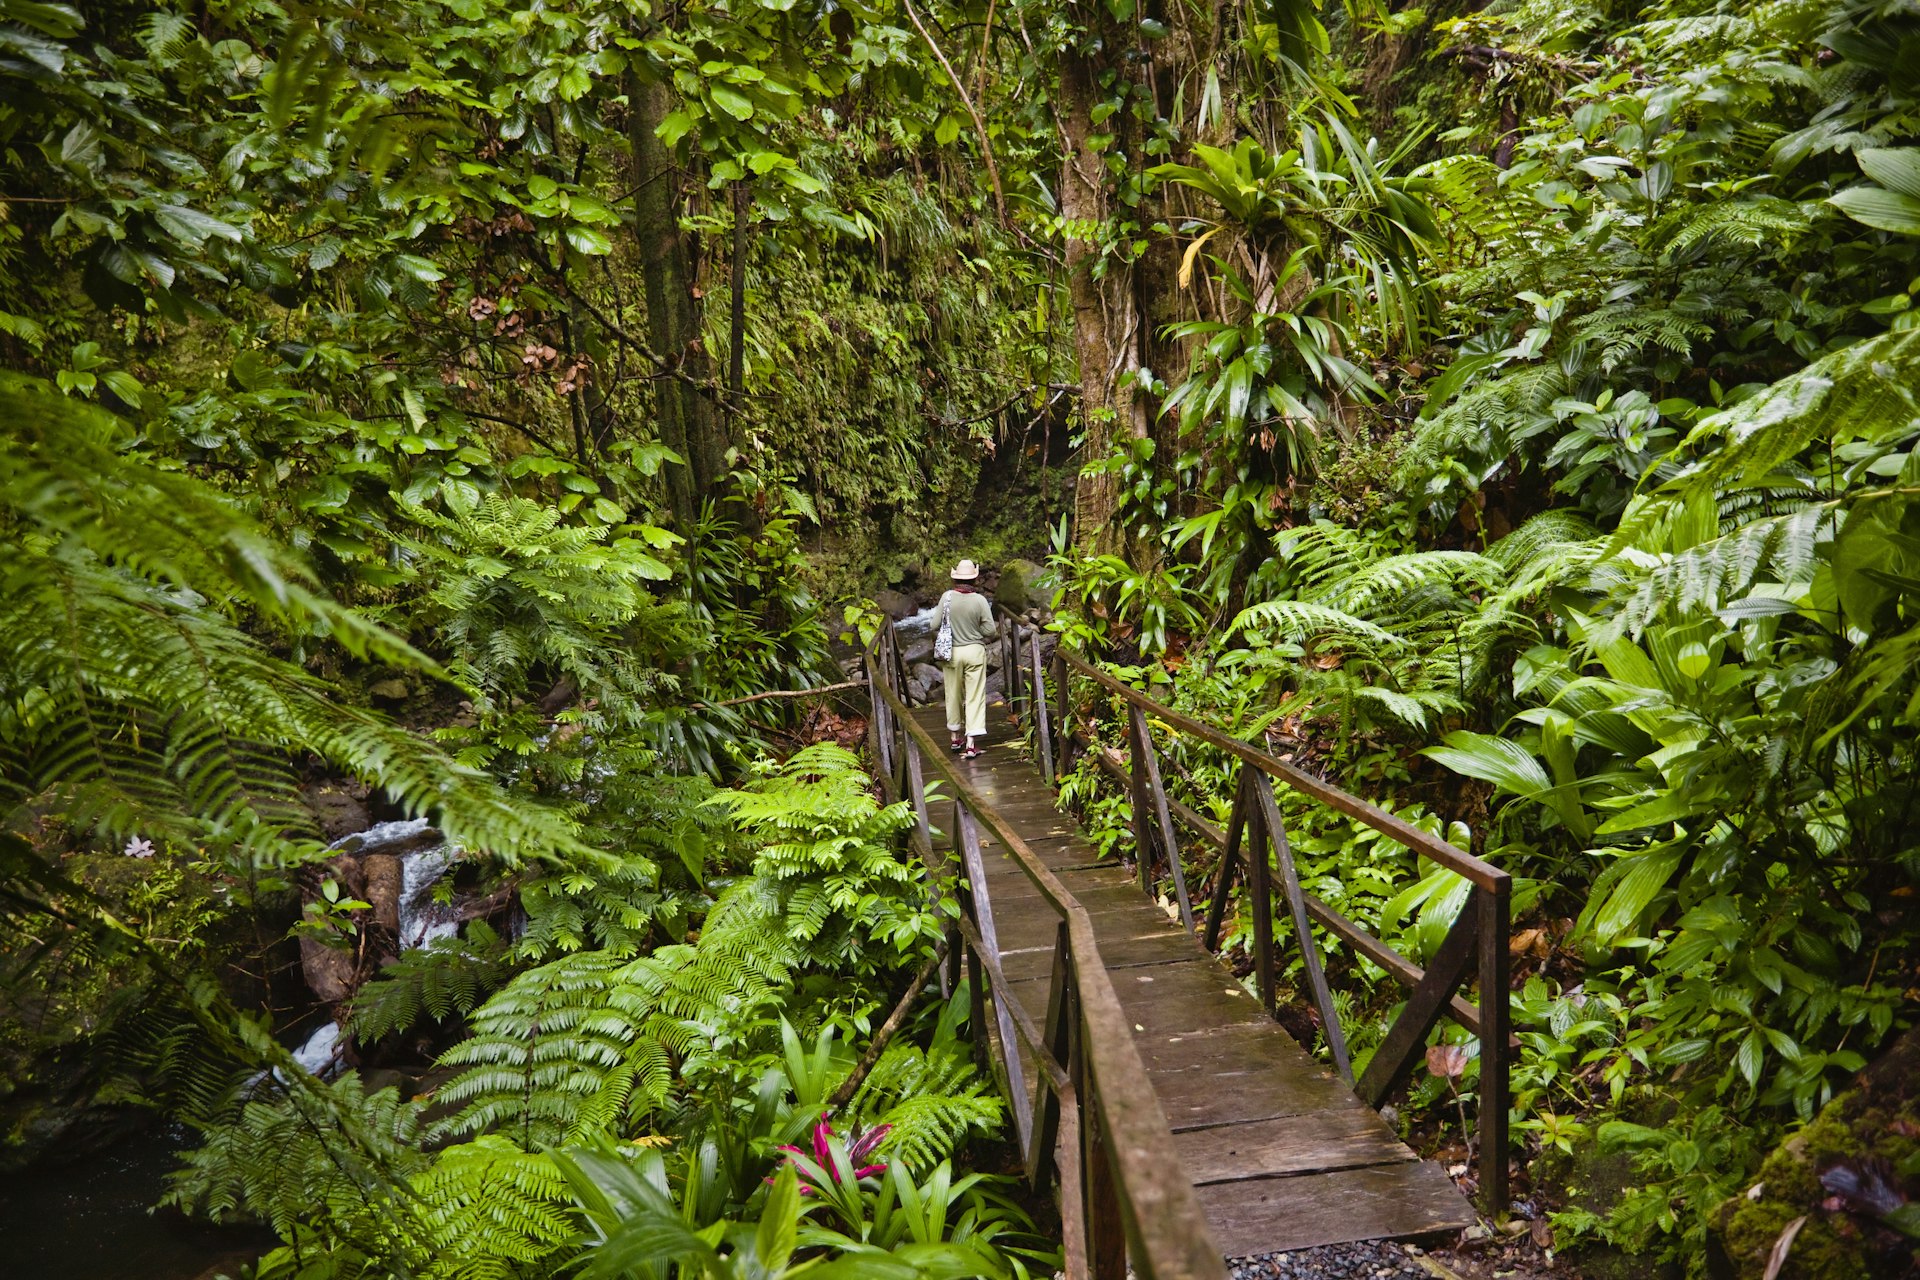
(737,301)
(1107,410)
(688,422)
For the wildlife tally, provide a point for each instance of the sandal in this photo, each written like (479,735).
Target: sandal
(972,753)
(958,743)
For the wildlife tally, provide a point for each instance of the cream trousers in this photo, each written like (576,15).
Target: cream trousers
(967,690)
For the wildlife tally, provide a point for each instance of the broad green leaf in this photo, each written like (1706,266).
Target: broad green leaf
(1896,168)
(801,180)
(81,147)
(1504,763)
(589,240)
(674,127)
(775,1237)
(192,226)
(731,101)
(575,82)
(124,385)
(1881,209)
(1673,806)
(421,269)
(1751,1057)
(1645,877)
(947,130)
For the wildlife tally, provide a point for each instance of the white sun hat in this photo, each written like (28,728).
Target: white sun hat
(965,571)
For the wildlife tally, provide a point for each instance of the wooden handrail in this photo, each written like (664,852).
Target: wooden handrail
(1475,945)
(1404,970)
(1484,874)
(1158,1211)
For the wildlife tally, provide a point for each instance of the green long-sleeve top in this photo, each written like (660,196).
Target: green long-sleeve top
(971,615)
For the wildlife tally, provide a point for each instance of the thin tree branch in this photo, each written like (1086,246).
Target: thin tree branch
(966,100)
(851,1085)
(780,693)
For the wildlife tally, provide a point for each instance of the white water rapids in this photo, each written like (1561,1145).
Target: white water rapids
(422,920)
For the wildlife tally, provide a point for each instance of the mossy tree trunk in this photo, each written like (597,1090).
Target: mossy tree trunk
(688,421)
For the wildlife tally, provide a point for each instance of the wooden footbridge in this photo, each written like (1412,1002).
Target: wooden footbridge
(1178,1122)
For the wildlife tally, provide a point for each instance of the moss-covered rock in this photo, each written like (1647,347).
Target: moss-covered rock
(1880,1117)
(1021,586)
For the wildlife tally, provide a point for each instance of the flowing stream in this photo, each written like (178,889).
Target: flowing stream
(93,1219)
(915,625)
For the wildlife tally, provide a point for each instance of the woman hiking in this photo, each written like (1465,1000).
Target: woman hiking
(970,617)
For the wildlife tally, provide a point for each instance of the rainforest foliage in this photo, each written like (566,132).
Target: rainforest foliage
(460,406)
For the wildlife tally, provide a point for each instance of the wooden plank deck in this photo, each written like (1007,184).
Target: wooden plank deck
(1281,1154)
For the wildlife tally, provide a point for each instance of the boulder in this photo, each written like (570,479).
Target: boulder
(329,971)
(339,808)
(384,878)
(929,677)
(916,692)
(395,690)
(895,604)
(918,654)
(1867,1133)
(1022,585)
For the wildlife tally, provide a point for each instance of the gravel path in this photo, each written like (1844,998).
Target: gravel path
(1371,1260)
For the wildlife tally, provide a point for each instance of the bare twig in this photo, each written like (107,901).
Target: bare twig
(783,693)
(966,100)
(851,1085)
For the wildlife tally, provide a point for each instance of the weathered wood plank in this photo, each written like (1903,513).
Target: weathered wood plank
(1232,1075)
(1382,1202)
(1349,1137)
(1171,1000)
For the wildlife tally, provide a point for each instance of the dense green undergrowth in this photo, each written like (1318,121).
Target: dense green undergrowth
(1621,599)
(1507,410)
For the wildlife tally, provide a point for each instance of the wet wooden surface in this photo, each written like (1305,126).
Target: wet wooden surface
(1282,1155)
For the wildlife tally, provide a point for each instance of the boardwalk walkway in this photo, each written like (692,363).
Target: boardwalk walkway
(1280,1153)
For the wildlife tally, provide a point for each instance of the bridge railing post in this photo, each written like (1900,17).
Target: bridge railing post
(1229,861)
(1496,1054)
(916,792)
(900,682)
(1106,1229)
(1275,829)
(1154,788)
(966,839)
(1037,698)
(1260,891)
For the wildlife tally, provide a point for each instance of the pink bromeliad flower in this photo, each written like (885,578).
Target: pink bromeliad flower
(859,1147)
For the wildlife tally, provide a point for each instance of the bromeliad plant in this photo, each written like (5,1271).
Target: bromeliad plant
(1278,373)
(834,1164)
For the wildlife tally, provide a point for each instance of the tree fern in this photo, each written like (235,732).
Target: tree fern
(591,1041)
(519,597)
(831,858)
(447,978)
(282,1161)
(128,689)
(491,1211)
(933,1099)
